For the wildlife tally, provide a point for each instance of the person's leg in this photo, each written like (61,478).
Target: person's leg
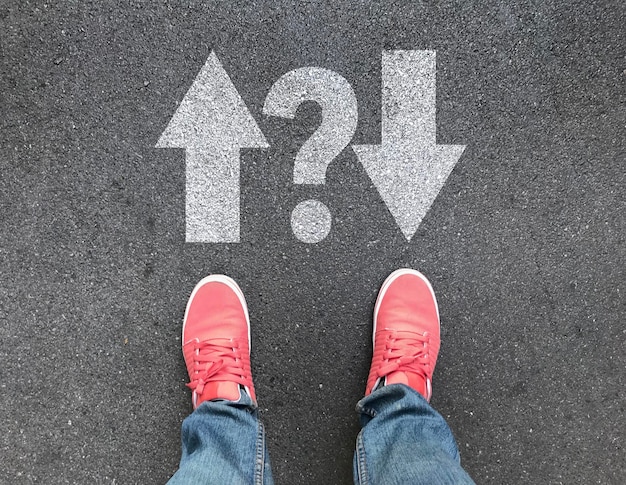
(223,442)
(223,439)
(403,440)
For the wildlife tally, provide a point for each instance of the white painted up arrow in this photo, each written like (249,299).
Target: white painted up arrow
(212,123)
(408,168)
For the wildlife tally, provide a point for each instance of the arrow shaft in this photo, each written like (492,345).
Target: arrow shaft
(212,195)
(408,98)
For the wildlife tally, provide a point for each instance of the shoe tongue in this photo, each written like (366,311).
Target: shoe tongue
(415,381)
(228,391)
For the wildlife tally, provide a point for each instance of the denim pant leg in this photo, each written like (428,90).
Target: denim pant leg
(404,441)
(224,442)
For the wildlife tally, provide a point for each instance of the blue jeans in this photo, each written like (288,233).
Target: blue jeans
(402,441)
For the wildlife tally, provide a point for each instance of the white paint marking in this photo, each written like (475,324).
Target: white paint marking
(339,119)
(311,221)
(212,123)
(212,197)
(408,168)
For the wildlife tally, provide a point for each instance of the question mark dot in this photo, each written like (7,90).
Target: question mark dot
(311,221)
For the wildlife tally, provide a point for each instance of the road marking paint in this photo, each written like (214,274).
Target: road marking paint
(408,168)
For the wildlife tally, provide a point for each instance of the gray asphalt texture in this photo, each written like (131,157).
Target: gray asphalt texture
(524,244)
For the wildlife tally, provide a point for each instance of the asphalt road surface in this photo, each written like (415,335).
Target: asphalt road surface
(524,243)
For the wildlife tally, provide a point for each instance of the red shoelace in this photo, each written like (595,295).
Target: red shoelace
(219,360)
(404,352)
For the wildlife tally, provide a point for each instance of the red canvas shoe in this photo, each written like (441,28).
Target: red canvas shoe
(406,333)
(216,341)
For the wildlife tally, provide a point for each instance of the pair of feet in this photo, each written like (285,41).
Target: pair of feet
(216,337)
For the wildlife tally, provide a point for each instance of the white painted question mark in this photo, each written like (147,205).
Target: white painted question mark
(311,220)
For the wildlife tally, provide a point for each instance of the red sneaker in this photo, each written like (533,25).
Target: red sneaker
(406,333)
(216,341)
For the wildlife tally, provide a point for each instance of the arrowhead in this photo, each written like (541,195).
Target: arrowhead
(212,114)
(408,181)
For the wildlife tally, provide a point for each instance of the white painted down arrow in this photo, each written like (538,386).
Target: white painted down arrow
(408,168)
